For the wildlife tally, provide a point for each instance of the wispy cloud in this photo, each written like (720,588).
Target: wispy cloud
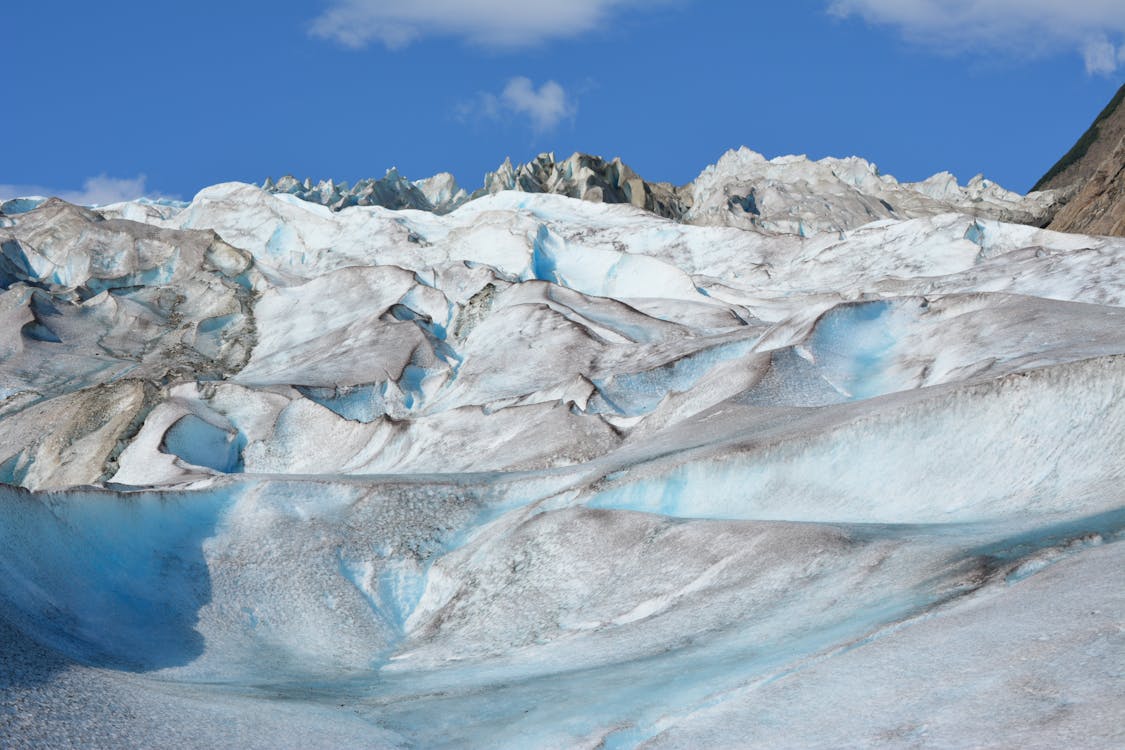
(490,23)
(1017,28)
(95,191)
(544,107)
(1100,56)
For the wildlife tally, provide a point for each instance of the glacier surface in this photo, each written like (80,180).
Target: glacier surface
(788,194)
(797,457)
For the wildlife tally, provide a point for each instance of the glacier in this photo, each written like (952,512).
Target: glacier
(793,456)
(787,194)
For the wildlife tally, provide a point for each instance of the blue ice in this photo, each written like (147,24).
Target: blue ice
(544,255)
(636,394)
(975,234)
(155,276)
(21,205)
(126,577)
(203,444)
(851,345)
(359,403)
(411,384)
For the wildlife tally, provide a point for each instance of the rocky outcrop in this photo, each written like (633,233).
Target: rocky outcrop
(1091,176)
(1087,155)
(1099,206)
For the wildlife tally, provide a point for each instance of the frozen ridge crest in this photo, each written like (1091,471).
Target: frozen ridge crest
(792,456)
(789,194)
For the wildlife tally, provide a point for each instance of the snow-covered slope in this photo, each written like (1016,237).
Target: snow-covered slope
(532,471)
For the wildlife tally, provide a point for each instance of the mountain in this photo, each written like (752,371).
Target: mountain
(581,176)
(788,195)
(795,195)
(1096,145)
(1090,178)
(796,455)
(1099,206)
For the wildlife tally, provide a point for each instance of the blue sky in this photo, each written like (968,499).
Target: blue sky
(106,100)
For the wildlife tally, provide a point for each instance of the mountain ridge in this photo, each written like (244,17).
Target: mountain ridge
(1084,157)
(786,195)
(1090,177)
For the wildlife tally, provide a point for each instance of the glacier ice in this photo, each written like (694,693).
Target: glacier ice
(796,455)
(788,194)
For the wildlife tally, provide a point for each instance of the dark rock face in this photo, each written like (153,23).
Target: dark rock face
(1091,177)
(1099,206)
(1086,156)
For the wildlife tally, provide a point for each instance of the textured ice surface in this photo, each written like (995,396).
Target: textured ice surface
(542,472)
(789,194)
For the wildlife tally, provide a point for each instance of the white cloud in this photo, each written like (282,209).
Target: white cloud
(546,107)
(1021,28)
(1100,56)
(95,191)
(491,23)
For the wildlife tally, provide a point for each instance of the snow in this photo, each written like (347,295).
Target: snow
(795,195)
(834,461)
